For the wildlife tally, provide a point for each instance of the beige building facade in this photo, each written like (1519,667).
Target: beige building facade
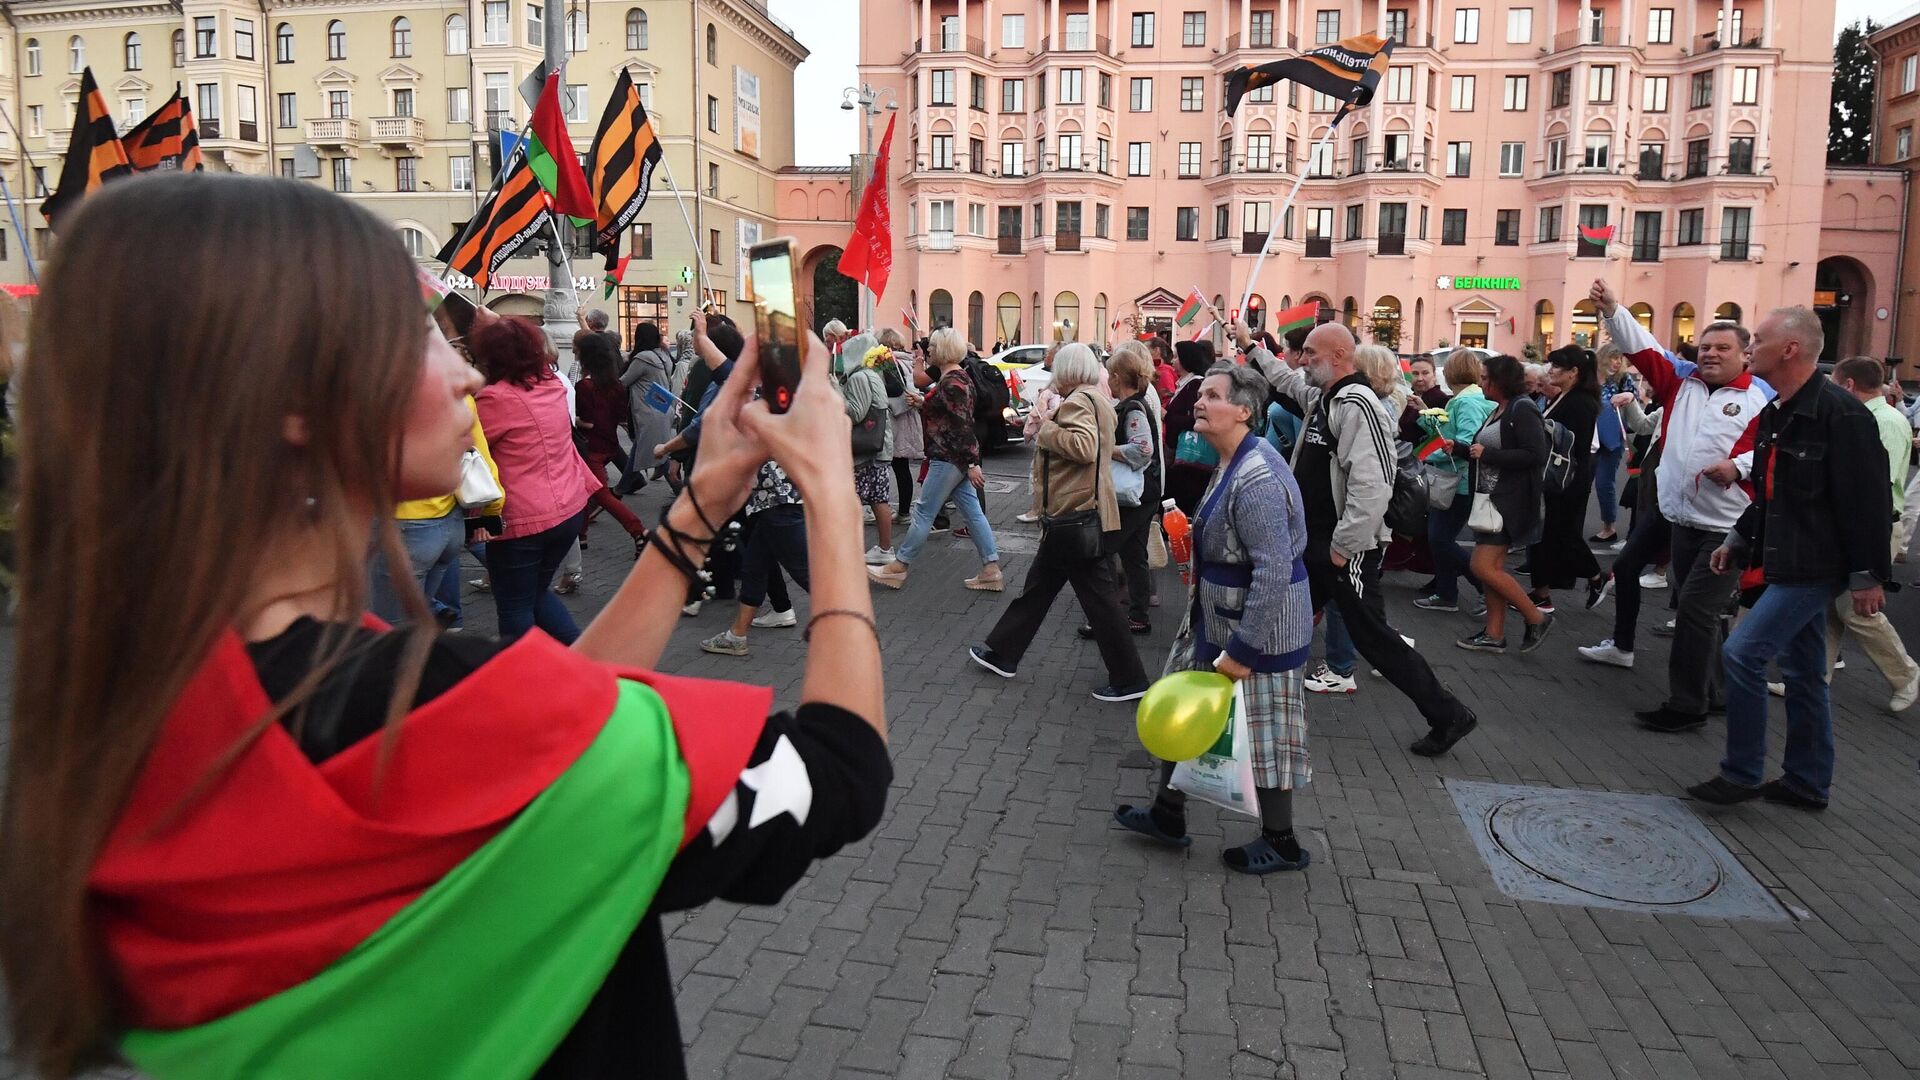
(400,106)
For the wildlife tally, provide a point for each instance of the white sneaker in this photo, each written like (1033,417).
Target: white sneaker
(1328,681)
(876,556)
(866,514)
(725,644)
(1607,653)
(1777,689)
(1651,580)
(691,609)
(1618,546)
(1907,695)
(774,620)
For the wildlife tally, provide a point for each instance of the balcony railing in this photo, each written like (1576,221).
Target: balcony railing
(1267,41)
(972,46)
(1066,241)
(1573,39)
(1010,245)
(1646,252)
(329,131)
(1252,243)
(1391,244)
(399,129)
(1733,251)
(1076,43)
(208,128)
(1046,163)
(501,121)
(939,240)
(249,131)
(1319,247)
(57,140)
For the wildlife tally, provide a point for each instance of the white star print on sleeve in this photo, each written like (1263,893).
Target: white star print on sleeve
(780,784)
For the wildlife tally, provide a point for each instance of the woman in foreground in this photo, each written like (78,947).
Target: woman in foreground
(251,833)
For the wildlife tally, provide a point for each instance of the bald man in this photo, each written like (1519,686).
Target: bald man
(1345,464)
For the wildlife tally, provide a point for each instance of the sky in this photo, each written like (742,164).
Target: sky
(824,135)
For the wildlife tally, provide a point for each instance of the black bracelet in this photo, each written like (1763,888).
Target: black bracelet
(727,536)
(672,545)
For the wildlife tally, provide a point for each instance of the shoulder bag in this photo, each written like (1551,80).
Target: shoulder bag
(477,487)
(870,433)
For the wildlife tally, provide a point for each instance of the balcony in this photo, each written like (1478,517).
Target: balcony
(57,140)
(1319,247)
(939,240)
(1603,36)
(1010,245)
(1391,244)
(1100,44)
(1066,241)
(972,46)
(1252,243)
(408,131)
(1267,41)
(341,131)
(498,121)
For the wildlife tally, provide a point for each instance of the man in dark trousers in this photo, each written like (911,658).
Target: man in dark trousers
(1345,464)
(1820,524)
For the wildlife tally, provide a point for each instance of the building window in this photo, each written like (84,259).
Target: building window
(206,109)
(640,240)
(577,30)
(1079,32)
(1560,92)
(940,215)
(1399,85)
(978,95)
(943,151)
(1740,155)
(1353,221)
(942,85)
(1190,159)
(976,219)
(1072,86)
(636,30)
(36,120)
(1322,103)
(1140,95)
(1466,30)
(1460,93)
(1696,158)
(1357,155)
(1600,84)
(1259,153)
(1692,228)
(1013,159)
(1193,30)
(342,174)
(40,189)
(1549,224)
(1139,159)
(459,105)
(1013,31)
(1746,86)
(713,246)
(573,103)
(1319,228)
(1735,223)
(1260,30)
(1186,223)
(1397,25)
(33,55)
(1459,159)
(339,104)
(1453,227)
(288,110)
(1702,95)
(536,25)
(460,173)
(1222,220)
(1519,26)
(283,43)
(1653,161)
(950,33)
(134,110)
(1320,163)
(1393,228)
(1646,236)
(132,52)
(1069,151)
(1653,94)
(286,169)
(976,155)
(1514,98)
(1599,152)
(1142,30)
(1718,26)
(1903,143)
(1013,95)
(1660,26)
(1513,158)
(1910,73)
(1193,95)
(243,38)
(1105,91)
(402,31)
(456,35)
(713,114)
(1556,156)
(406,173)
(1506,228)
(1326,27)
(494,16)
(498,100)
(1592,216)
(336,40)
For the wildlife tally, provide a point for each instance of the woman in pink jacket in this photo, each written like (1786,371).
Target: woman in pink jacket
(523,410)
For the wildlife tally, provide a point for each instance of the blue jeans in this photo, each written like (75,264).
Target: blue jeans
(1341,655)
(945,480)
(1450,558)
(433,548)
(1606,479)
(1789,622)
(522,570)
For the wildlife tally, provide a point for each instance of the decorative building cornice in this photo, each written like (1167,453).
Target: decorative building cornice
(78,15)
(762,29)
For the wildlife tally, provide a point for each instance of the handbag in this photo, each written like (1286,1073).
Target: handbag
(1441,485)
(478,487)
(1156,546)
(1486,516)
(1129,483)
(868,435)
(1407,506)
(1192,448)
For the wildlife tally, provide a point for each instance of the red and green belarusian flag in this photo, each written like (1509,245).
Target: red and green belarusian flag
(1302,315)
(442,912)
(559,173)
(1190,309)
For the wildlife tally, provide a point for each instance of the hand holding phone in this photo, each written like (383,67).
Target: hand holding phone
(776,322)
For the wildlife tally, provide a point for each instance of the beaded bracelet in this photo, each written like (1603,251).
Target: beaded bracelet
(807,634)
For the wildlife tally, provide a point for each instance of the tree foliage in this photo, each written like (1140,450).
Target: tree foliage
(1850,119)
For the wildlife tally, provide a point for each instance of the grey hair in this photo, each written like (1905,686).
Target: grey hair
(597,320)
(1074,367)
(1804,327)
(834,328)
(946,346)
(1247,388)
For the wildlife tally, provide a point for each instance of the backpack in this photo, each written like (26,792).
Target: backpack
(1558,474)
(990,393)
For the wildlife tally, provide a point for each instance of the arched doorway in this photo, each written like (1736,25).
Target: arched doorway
(1843,298)
(1066,317)
(1386,322)
(1727,312)
(1256,313)
(1007,318)
(1038,326)
(1682,324)
(939,309)
(1643,314)
(977,320)
(1100,327)
(1543,326)
(828,294)
(1350,315)
(1584,324)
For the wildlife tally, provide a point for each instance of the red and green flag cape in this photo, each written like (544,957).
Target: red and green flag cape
(449,915)
(559,173)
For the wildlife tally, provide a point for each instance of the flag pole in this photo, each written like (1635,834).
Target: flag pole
(699,260)
(1273,226)
(499,178)
(26,245)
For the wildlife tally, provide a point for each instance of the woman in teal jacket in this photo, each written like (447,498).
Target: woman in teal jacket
(1466,412)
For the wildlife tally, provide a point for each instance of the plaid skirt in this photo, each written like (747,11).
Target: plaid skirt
(1276,718)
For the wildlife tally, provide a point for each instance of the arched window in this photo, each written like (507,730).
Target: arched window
(131,50)
(977,319)
(636,29)
(713,45)
(33,53)
(418,244)
(1585,324)
(1007,318)
(179,48)
(457,40)
(1543,325)
(577,30)
(939,309)
(1100,326)
(402,37)
(1038,328)
(336,40)
(1256,313)
(1350,314)
(1643,314)
(283,44)
(1386,322)
(1066,317)
(1682,324)
(76,54)
(1729,312)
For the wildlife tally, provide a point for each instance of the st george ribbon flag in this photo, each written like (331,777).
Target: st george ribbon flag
(167,139)
(868,257)
(509,220)
(94,155)
(1346,71)
(620,171)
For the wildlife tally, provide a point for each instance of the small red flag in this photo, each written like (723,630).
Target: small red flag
(1596,234)
(868,257)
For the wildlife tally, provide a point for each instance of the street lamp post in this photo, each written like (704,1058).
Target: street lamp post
(867,99)
(559,310)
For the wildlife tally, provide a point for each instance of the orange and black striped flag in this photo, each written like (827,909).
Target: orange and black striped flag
(508,221)
(95,155)
(1347,70)
(620,166)
(166,140)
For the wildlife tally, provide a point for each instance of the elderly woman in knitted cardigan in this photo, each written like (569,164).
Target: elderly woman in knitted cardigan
(1251,618)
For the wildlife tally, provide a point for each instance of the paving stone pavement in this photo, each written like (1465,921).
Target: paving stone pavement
(997,925)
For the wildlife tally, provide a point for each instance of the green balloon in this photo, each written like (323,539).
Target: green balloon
(1184,713)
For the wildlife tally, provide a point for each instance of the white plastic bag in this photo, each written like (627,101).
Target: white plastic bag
(1223,775)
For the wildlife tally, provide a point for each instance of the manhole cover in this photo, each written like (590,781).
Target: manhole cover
(1604,849)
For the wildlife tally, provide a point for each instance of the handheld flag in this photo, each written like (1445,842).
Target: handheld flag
(907,314)
(550,155)
(659,398)
(614,275)
(1189,309)
(620,168)
(1303,315)
(432,289)
(167,139)
(95,155)
(509,220)
(1207,330)
(1347,70)
(868,257)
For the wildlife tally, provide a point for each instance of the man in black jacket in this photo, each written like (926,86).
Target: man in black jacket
(1820,523)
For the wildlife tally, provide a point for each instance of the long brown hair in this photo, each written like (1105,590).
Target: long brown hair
(156,473)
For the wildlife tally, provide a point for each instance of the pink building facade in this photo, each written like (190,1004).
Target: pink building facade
(1067,169)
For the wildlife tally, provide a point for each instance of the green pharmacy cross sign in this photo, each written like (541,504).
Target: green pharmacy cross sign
(1490,284)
